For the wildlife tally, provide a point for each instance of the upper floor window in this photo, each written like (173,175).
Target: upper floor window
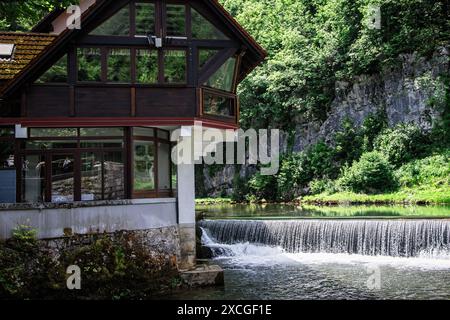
(119,65)
(223,78)
(144,16)
(145,20)
(174,66)
(205,55)
(176,20)
(57,73)
(146,66)
(89,64)
(117,25)
(203,29)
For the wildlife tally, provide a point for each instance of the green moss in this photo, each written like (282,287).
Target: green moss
(212,201)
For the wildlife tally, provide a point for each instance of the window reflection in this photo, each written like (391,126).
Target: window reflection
(119,65)
(223,78)
(63,178)
(91,176)
(176,20)
(145,18)
(117,25)
(33,178)
(89,64)
(175,66)
(113,172)
(164,166)
(144,160)
(57,73)
(218,105)
(203,29)
(146,66)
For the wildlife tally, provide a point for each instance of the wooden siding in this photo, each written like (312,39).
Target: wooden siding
(166,102)
(86,101)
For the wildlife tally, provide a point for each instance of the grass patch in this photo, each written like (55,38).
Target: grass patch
(417,195)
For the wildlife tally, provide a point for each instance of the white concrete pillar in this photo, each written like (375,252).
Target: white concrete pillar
(186,215)
(186,193)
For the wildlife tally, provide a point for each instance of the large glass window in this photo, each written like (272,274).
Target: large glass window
(223,78)
(119,65)
(101,132)
(218,105)
(146,66)
(33,178)
(89,64)
(6,148)
(176,20)
(57,73)
(99,164)
(91,176)
(145,18)
(113,176)
(144,161)
(117,25)
(164,166)
(205,55)
(63,175)
(175,66)
(53,132)
(203,29)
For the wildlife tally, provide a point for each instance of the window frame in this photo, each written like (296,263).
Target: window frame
(155,139)
(76,152)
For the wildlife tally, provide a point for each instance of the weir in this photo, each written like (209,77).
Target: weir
(397,238)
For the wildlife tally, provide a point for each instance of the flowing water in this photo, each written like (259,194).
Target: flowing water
(314,255)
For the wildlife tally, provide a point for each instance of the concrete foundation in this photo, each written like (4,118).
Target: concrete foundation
(58,220)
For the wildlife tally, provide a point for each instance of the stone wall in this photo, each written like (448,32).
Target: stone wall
(159,242)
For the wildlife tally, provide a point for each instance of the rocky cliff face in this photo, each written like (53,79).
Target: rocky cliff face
(403,92)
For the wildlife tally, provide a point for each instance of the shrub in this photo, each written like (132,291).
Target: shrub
(348,143)
(299,169)
(263,187)
(372,126)
(240,188)
(402,144)
(434,170)
(322,186)
(26,271)
(371,174)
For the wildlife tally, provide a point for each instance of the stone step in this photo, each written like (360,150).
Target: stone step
(203,276)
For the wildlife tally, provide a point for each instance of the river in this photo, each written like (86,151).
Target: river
(289,252)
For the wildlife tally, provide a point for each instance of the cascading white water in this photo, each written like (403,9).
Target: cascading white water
(396,238)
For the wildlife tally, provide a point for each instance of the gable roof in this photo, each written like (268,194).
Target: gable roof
(28,46)
(50,43)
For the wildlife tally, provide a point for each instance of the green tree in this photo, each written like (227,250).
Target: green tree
(371,174)
(23,15)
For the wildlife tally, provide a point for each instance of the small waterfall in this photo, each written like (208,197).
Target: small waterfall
(396,238)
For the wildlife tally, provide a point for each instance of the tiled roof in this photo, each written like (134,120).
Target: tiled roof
(28,47)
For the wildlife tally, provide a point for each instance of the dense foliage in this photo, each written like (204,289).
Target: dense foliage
(371,174)
(24,15)
(314,43)
(370,159)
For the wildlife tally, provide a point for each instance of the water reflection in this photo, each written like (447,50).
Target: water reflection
(285,211)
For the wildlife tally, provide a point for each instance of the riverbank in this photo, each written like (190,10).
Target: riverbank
(416,196)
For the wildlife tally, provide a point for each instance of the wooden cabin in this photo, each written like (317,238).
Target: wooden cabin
(86,113)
